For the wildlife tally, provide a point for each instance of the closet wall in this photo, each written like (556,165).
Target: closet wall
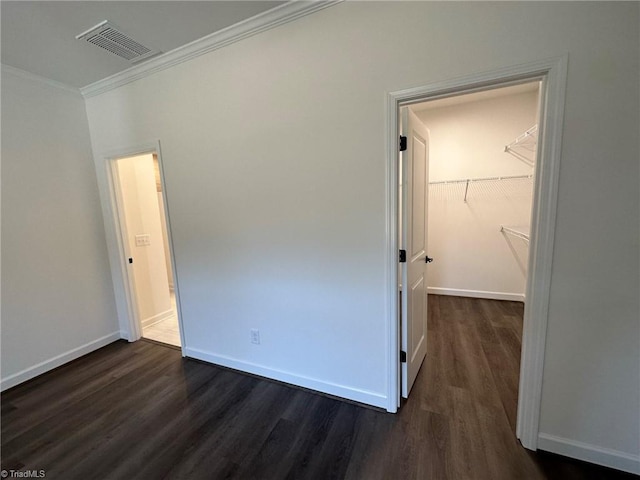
(473,257)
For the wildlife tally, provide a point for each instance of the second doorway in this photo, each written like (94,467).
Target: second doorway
(143,223)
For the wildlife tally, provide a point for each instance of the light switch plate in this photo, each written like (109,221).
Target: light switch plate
(143,240)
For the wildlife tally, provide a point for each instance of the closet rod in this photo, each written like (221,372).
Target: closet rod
(515,233)
(484,179)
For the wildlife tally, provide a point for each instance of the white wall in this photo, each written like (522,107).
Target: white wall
(274,156)
(57,295)
(467,140)
(473,258)
(165,240)
(142,217)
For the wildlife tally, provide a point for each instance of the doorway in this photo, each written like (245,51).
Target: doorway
(472,192)
(552,74)
(142,221)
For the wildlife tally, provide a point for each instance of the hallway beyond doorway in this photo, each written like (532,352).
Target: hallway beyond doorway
(167,330)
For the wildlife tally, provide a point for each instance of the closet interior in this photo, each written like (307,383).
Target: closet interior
(481,175)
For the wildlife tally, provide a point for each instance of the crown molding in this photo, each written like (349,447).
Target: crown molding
(259,23)
(18,72)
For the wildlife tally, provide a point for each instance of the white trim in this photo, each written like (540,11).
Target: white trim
(147,322)
(125,336)
(391,276)
(541,239)
(259,23)
(343,391)
(553,72)
(590,453)
(58,360)
(459,292)
(18,72)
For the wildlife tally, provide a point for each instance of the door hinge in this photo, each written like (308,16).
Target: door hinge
(403,256)
(403,357)
(403,143)
(130,260)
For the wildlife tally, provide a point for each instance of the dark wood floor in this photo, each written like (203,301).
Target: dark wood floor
(140,411)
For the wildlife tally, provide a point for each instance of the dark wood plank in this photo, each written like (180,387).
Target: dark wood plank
(140,411)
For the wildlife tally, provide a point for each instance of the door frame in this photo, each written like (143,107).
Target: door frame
(552,73)
(123,284)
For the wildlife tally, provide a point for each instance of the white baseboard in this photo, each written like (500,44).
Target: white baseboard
(589,453)
(343,391)
(458,292)
(125,336)
(58,360)
(147,322)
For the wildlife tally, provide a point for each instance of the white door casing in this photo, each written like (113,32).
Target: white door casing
(553,73)
(415,171)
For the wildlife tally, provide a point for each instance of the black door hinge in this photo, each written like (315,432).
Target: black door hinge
(403,143)
(130,260)
(403,357)
(403,256)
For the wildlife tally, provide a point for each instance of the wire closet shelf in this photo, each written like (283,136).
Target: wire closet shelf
(514,232)
(524,146)
(469,181)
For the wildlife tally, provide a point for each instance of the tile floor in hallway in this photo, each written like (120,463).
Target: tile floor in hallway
(167,330)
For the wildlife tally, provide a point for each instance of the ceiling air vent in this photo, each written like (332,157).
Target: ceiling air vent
(109,37)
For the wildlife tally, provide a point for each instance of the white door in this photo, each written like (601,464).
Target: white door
(415,173)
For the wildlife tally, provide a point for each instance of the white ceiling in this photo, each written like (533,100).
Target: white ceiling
(476,97)
(39,37)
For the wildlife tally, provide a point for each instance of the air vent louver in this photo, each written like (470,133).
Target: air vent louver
(109,37)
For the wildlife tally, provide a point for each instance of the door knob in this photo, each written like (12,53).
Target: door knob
(428,259)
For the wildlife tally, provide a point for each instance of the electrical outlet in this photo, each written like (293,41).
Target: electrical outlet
(255,336)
